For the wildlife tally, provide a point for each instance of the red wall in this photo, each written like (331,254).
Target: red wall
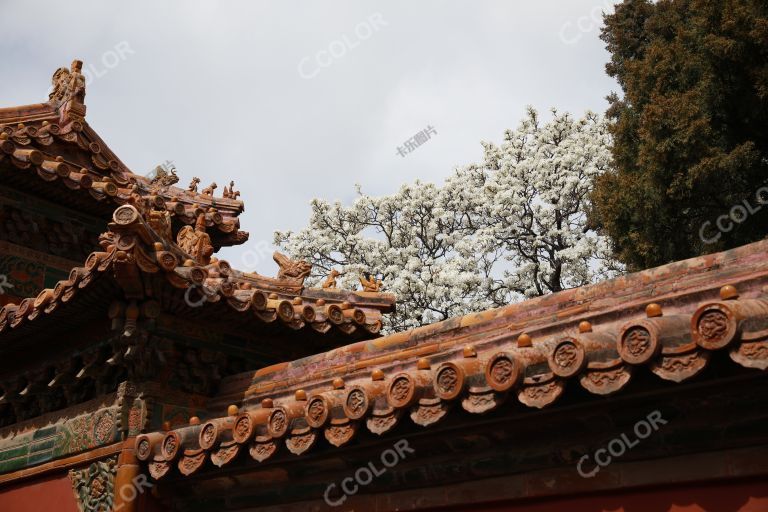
(55,494)
(707,497)
(52,493)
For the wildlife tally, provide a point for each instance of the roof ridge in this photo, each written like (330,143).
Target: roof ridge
(604,302)
(478,364)
(135,242)
(26,132)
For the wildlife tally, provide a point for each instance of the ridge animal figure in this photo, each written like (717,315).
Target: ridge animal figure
(230,192)
(193,184)
(208,191)
(370,283)
(195,241)
(164,177)
(330,281)
(291,269)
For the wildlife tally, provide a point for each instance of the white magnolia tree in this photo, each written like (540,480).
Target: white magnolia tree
(512,227)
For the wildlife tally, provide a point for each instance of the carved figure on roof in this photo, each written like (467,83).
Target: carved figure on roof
(370,283)
(193,184)
(330,281)
(68,94)
(165,176)
(208,191)
(291,269)
(138,200)
(195,241)
(77,82)
(160,221)
(60,84)
(230,192)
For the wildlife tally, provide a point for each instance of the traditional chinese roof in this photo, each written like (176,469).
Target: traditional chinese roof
(153,304)
(143,302)
(669,323)
(134,251)
(50,148)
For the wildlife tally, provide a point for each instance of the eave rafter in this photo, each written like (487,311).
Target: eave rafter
(141,278)
(133,249)
(597,338)
(675,348)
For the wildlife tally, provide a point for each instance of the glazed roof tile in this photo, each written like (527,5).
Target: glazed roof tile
(669,321)
(132,247)
(56,145)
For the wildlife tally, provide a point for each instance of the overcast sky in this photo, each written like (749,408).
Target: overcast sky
(295,100)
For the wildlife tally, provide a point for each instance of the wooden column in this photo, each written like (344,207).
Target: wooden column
(128,488)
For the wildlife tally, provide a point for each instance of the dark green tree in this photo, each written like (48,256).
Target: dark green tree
(690,130)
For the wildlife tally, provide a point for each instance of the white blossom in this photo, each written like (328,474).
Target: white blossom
(511,227)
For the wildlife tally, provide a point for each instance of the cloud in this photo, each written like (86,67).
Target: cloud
(215,87)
